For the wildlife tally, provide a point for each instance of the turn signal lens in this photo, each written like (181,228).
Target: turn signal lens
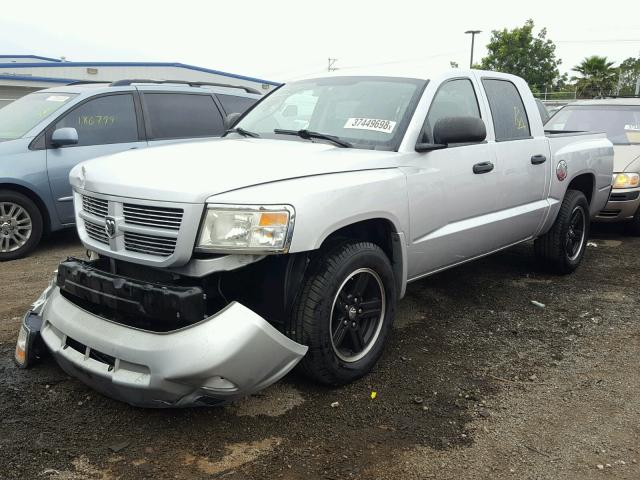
(274,219)
(21,347)
(626,180)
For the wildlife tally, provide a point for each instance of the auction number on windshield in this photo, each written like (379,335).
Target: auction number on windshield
(375,124)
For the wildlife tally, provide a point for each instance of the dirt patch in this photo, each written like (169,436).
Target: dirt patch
(238,454)
(82,470)
(275,401)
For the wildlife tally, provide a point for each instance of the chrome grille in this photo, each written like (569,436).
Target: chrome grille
(156,217)
(95,206)
(96,232)
(149,244)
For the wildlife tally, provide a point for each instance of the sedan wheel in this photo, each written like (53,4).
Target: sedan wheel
(15,227)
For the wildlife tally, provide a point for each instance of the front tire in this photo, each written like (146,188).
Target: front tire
(20,225)
(562,248)
(344,312)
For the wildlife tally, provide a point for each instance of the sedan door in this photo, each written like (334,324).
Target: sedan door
(105,124)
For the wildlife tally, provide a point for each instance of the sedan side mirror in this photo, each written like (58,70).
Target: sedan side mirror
(64,136)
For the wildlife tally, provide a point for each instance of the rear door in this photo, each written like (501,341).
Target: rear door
(523,161)
(179,116)
(105,124)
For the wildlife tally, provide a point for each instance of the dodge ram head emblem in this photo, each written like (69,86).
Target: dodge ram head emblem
(110,226)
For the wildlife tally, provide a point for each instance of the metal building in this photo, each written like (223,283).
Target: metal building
(23,74)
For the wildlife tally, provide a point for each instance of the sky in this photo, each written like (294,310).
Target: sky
(283,40)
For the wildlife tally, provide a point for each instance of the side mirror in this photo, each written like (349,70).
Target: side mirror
(231,119)
(64,136)
(459,130)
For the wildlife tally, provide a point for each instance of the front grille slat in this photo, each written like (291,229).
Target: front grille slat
(96,232)
(95,206)
(149,244)
(149,240)
(156,224)
(150,216)
(139,216)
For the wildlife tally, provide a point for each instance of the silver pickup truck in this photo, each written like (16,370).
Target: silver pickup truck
(219,266)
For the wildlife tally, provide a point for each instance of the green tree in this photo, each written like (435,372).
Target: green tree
(597,76)
(628,75)
(520,52)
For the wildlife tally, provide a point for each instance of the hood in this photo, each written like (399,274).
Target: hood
(626,158)
(191,172)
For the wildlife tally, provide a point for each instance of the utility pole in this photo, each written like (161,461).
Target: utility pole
(473,38)
(638,86)
(330,65)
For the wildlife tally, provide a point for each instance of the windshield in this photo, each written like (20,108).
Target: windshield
(621,123)
(367,112)
(20,116)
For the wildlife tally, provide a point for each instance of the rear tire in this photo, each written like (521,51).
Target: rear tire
(20,225)
(344,312)
(562,248)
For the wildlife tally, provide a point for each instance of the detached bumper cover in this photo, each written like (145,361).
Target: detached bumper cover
(228,355)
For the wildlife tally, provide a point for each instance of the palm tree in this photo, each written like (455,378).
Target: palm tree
(598,77)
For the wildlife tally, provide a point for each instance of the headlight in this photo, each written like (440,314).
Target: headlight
(626,180)
(247,228)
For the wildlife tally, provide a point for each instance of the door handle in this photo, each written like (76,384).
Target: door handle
(484,167)
(538,159)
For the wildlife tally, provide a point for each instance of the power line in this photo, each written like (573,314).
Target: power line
(618,40)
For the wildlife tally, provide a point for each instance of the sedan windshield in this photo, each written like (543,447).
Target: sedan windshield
(364,112)
(621,123)
(20,116)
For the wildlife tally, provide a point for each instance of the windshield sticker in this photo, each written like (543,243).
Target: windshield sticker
(57,98)
(374,124)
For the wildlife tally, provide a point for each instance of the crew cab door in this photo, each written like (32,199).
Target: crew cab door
(451,190)
(105,124)
(523,161)
(172,117)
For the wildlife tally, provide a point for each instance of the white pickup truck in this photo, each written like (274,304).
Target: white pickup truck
(219,266)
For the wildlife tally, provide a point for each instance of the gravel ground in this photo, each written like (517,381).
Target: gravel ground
(476,383)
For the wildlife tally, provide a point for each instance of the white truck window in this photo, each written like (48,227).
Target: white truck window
(510,120)
(456,98)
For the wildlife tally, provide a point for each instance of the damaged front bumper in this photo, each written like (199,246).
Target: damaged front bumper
(230,354)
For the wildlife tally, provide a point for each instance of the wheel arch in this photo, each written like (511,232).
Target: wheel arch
(585,183)
(35,198)
(382,232)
